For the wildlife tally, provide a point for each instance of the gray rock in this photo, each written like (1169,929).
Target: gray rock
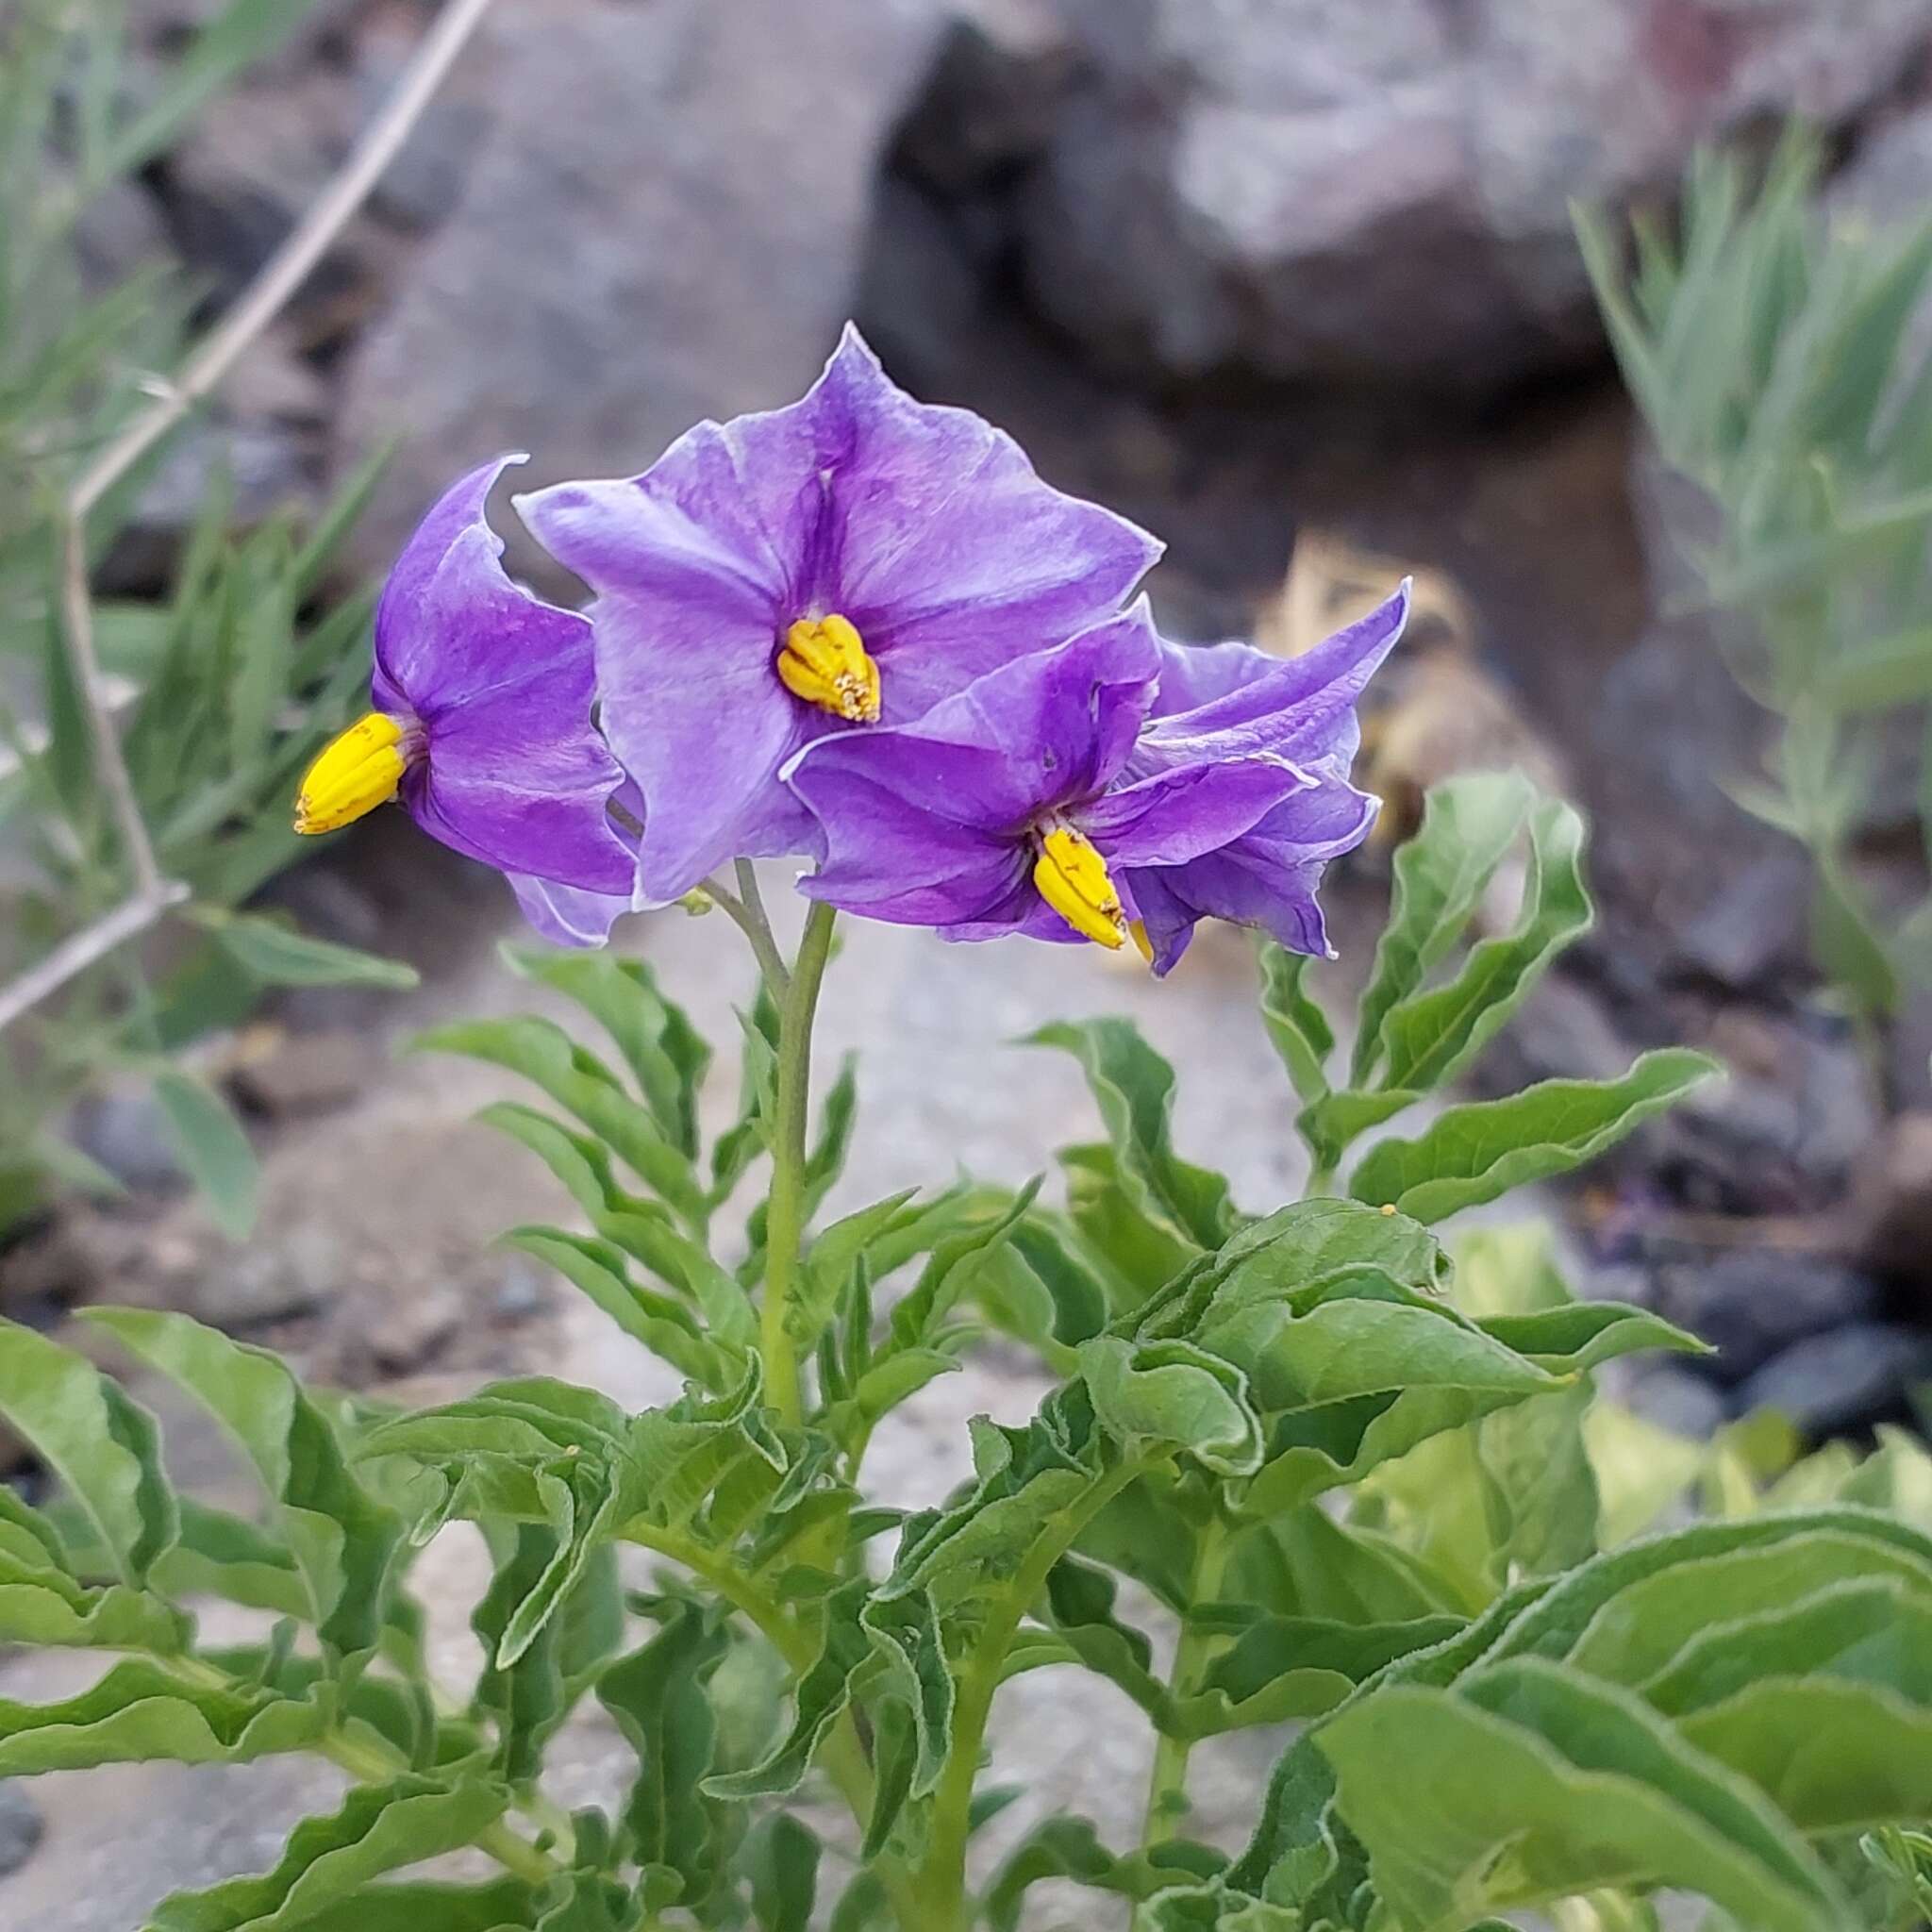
(1783,1132)
(1891,1207)
(270,1280)
(1861,1373)
(124,1128)
(1753,930)
(1754,1303)
(716,166)
(20,1826)
(296,1074)
(1679,1400)
(1309,188)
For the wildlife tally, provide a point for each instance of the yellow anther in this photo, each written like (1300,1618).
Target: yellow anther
(1071,877)
(823,662)
(1137,931)
(355,773)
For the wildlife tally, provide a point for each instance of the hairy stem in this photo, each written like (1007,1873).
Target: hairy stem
(1167,1790)
(939,1885)
(785,1208)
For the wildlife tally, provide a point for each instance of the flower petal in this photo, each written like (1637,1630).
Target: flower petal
(1040,732)
(1179,815)
(944,545)
(514,771)
(1267,877)
(1297,708)
(566,915)
(887,858)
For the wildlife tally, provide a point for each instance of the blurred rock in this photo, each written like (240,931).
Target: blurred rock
(411,1328)
(665,223)
(122,1126)
(1891,1205)
(1781,1134)
(20,1825)
(1831,1384)
(431,174)
(1753,931)
(120,232)
(271,1280)
(1679,1399)
(285,1075)
(1314,190)
(1754,1303)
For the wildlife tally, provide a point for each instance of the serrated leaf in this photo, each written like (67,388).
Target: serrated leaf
(104,1446)
(1475,1153)
(1469,824)
(1134,1089)
(379,1828)
(1430,1037)
(576,1080)
(140,1711)
(652,1034)
(342,1538)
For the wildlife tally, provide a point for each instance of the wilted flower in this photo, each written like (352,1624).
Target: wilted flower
(1230,701)
(1013,807)
(482,725)
(848,560)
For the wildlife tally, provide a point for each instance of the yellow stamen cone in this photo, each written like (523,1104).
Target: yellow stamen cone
(1071,875)
(355,772)
(823,662)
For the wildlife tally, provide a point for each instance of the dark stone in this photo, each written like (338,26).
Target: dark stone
(20,1826)
(1752,933)
(1751,1304)
(1844,1380)
(1782,1132)
(1312,190)
(124,1128)
(1891,1205)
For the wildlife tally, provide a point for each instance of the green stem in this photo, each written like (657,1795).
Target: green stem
(785,1208)
(746,912)
(1167,1790)
(939,1885)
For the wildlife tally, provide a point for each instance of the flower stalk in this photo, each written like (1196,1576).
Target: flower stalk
(785,1209)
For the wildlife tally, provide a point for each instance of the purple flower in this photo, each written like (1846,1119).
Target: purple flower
(482,724)
(854,558)
(1229,701)
(1018,804)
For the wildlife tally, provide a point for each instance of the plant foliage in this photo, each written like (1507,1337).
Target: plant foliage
(1359,1475)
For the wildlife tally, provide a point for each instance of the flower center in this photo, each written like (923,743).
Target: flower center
(354,772)
(1071,875)
(823,662)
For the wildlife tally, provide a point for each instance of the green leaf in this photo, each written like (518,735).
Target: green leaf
(224,1556)
(1469,824)
(44,1607)
(1134,1089)
(782,1857)
(277,954)
(1475,1153)
(576,1080)
(1163,1395)
(1297,1028)
(660,1697)
(140,1709)
(379,1828)
(104,1448)
(340,1538)
(424,1905)
(652,1033)
(1542,1783)
(1428,1037)
(213,1149)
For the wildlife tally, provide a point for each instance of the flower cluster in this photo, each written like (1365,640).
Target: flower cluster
(861,630)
